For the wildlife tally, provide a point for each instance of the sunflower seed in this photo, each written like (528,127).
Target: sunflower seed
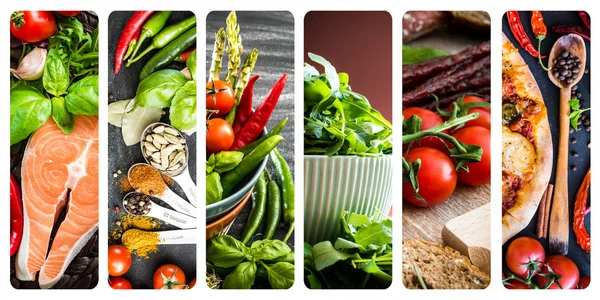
(160,139)
(149,138)
(159,129)
(171,138)
(150,147)
(178,157)
(156,143)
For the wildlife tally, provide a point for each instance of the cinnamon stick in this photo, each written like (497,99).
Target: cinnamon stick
(547,211)
(539,230)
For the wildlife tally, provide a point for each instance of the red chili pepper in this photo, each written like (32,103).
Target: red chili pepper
(182,58)
(244,110)
(585,18)
(257,122)
(516,27)
(129,35)
(583,32)
(16,216)
(539,29)
(583,238)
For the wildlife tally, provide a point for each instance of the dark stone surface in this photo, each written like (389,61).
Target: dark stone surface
(121,157)
(551,97)
(272,33)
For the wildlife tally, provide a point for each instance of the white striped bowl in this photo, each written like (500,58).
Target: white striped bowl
(336,184)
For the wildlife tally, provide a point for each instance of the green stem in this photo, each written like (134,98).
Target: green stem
(438,130)
(289,233)
(540,38)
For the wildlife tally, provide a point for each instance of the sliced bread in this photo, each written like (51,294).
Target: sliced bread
(439,267)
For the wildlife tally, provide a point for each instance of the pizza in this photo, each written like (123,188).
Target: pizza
(526,143)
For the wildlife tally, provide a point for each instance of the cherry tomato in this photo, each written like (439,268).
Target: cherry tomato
(583,283)
(484,119)
(119,260)
(192,283)
(169,277)
(562,266)
(522,251)
(436,177)
(219,136)
(429,120)
(68,13)
(32,26)
(219,97)
(516,285)
(119,283)
(479,172)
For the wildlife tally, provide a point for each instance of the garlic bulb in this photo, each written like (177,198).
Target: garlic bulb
(32,65)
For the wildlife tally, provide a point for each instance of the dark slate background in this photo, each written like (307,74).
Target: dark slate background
(121,157)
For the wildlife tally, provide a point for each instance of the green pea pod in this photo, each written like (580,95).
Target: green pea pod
(153,25)
(258,210)
(249,163)
(167,35)
(273,209)
(250,147)
(285,177)
(169,53)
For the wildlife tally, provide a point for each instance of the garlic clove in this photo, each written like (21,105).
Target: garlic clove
(32,65)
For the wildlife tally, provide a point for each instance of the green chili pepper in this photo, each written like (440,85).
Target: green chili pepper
(273,209)
(166,36)
(248,148)
(153,25)
(169,53)
(248,164)
(258,210)
(284,175)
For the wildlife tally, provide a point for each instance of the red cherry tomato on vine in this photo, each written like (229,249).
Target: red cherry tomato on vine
(479,172)
(119,283)
(219,97)
(429,119)
(31,26)
(562,266)
(68,13)
(522,251)
(484,119)
(119,260)
(169,277)
(436,177)
(219,136)
(516,285)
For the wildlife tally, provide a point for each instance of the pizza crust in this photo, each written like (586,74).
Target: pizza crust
(528,197)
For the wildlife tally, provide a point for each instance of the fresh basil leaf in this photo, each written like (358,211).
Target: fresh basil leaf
(82,98)
(242,277)
(225,251)
(268,249)
(281,275)
(29,110)
(413,55)
(159,88)
(56,75)
(191,64)
(64,119)
(289,257)
(182,113)
(325,255)
(214,189)
(330,72)
(223,161)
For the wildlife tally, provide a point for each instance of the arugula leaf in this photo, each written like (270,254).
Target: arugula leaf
(330,72)
(325,255)
(29,110)
(413,55)
(576,112)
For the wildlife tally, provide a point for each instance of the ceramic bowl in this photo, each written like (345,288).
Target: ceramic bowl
(213,229)
(336,184)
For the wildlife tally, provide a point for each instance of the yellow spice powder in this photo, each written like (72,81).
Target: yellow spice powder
(140,242)
(128,222)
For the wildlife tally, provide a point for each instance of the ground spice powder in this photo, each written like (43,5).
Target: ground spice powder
(127,222)
(139,242)
(147,180)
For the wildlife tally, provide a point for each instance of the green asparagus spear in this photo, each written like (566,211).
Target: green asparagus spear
(217,57)
(241,82)
(234,49)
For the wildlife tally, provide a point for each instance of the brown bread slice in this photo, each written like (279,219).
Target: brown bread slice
(440,267)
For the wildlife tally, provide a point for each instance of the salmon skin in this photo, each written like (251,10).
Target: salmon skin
(58,171)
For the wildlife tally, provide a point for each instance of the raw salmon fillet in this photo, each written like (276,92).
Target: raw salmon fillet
(58,170)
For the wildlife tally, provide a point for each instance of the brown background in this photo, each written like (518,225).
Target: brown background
(358,43)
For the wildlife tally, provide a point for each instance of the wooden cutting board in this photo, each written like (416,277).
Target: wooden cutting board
(469,234)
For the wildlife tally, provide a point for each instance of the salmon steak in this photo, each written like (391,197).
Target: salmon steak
(59,172)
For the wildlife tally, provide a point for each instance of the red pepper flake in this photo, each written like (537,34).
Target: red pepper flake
(117,208)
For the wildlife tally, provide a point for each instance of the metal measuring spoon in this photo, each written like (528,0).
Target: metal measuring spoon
(180,174)
(139,204)
(169,237)
(168,196)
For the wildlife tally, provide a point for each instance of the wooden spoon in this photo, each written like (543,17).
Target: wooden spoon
(559,220)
